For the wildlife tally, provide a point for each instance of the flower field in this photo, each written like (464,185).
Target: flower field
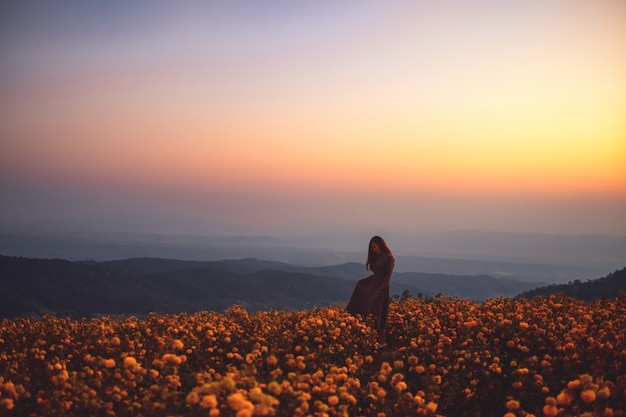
(503,357)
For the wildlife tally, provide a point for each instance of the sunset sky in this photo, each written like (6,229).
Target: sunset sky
(258,116)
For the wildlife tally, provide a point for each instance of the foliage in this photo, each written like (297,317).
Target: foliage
(602,287)
(450,357)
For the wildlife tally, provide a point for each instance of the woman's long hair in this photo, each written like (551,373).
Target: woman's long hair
(372,257)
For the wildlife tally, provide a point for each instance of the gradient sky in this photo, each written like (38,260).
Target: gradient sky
(218,117)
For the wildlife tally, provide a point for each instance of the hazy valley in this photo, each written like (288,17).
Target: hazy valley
(31,287)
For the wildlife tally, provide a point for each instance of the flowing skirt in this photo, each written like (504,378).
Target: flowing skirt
(364,303)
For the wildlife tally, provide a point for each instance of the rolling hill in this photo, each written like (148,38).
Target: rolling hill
(31,287)
(609,286)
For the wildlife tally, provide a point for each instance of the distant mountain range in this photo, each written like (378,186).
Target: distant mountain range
(609,286)
(31,287)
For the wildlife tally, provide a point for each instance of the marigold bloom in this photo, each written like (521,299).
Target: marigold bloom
(238,402)
(271,360)
(177,344)
(209,401)
(7,403)
(131,363)
(274,388)
(588,396)
(431,407)
(564,398)
(245,412)
(193,398)
(400,386)
(109,363)
(396,378)
(550,410)
(604,393)
(512,405)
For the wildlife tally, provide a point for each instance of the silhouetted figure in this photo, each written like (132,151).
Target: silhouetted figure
(371,294)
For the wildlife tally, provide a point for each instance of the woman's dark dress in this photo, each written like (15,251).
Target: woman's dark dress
(371,294)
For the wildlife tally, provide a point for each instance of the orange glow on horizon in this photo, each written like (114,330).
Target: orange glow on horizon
(487,100)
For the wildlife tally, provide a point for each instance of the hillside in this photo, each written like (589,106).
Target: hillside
(138,286)
(609,286)
(32,287)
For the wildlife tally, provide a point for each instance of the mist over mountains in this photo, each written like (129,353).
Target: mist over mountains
(32,287)
(128,273)
(527,257)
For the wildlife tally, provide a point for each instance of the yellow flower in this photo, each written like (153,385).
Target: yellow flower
(238,402)
(208,401)
(564,398)
(512,405)
(431,407)
(193,398)
(271,360)
(177,344)
(588,396)
(246,412)
(131,363)
(400,386)
(550,410)
(109,363)
(7,403)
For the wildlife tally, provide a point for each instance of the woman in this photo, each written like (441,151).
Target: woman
(371,294)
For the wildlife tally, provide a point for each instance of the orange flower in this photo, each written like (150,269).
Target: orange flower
(431,407)
(574,384)
(550,410)
(588,396)
(604,393)
(512,405)
(209,401)
(109,363)
(238,402)
(564,398)
(272,360)
(7,403)
(177,344)
(131,363)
